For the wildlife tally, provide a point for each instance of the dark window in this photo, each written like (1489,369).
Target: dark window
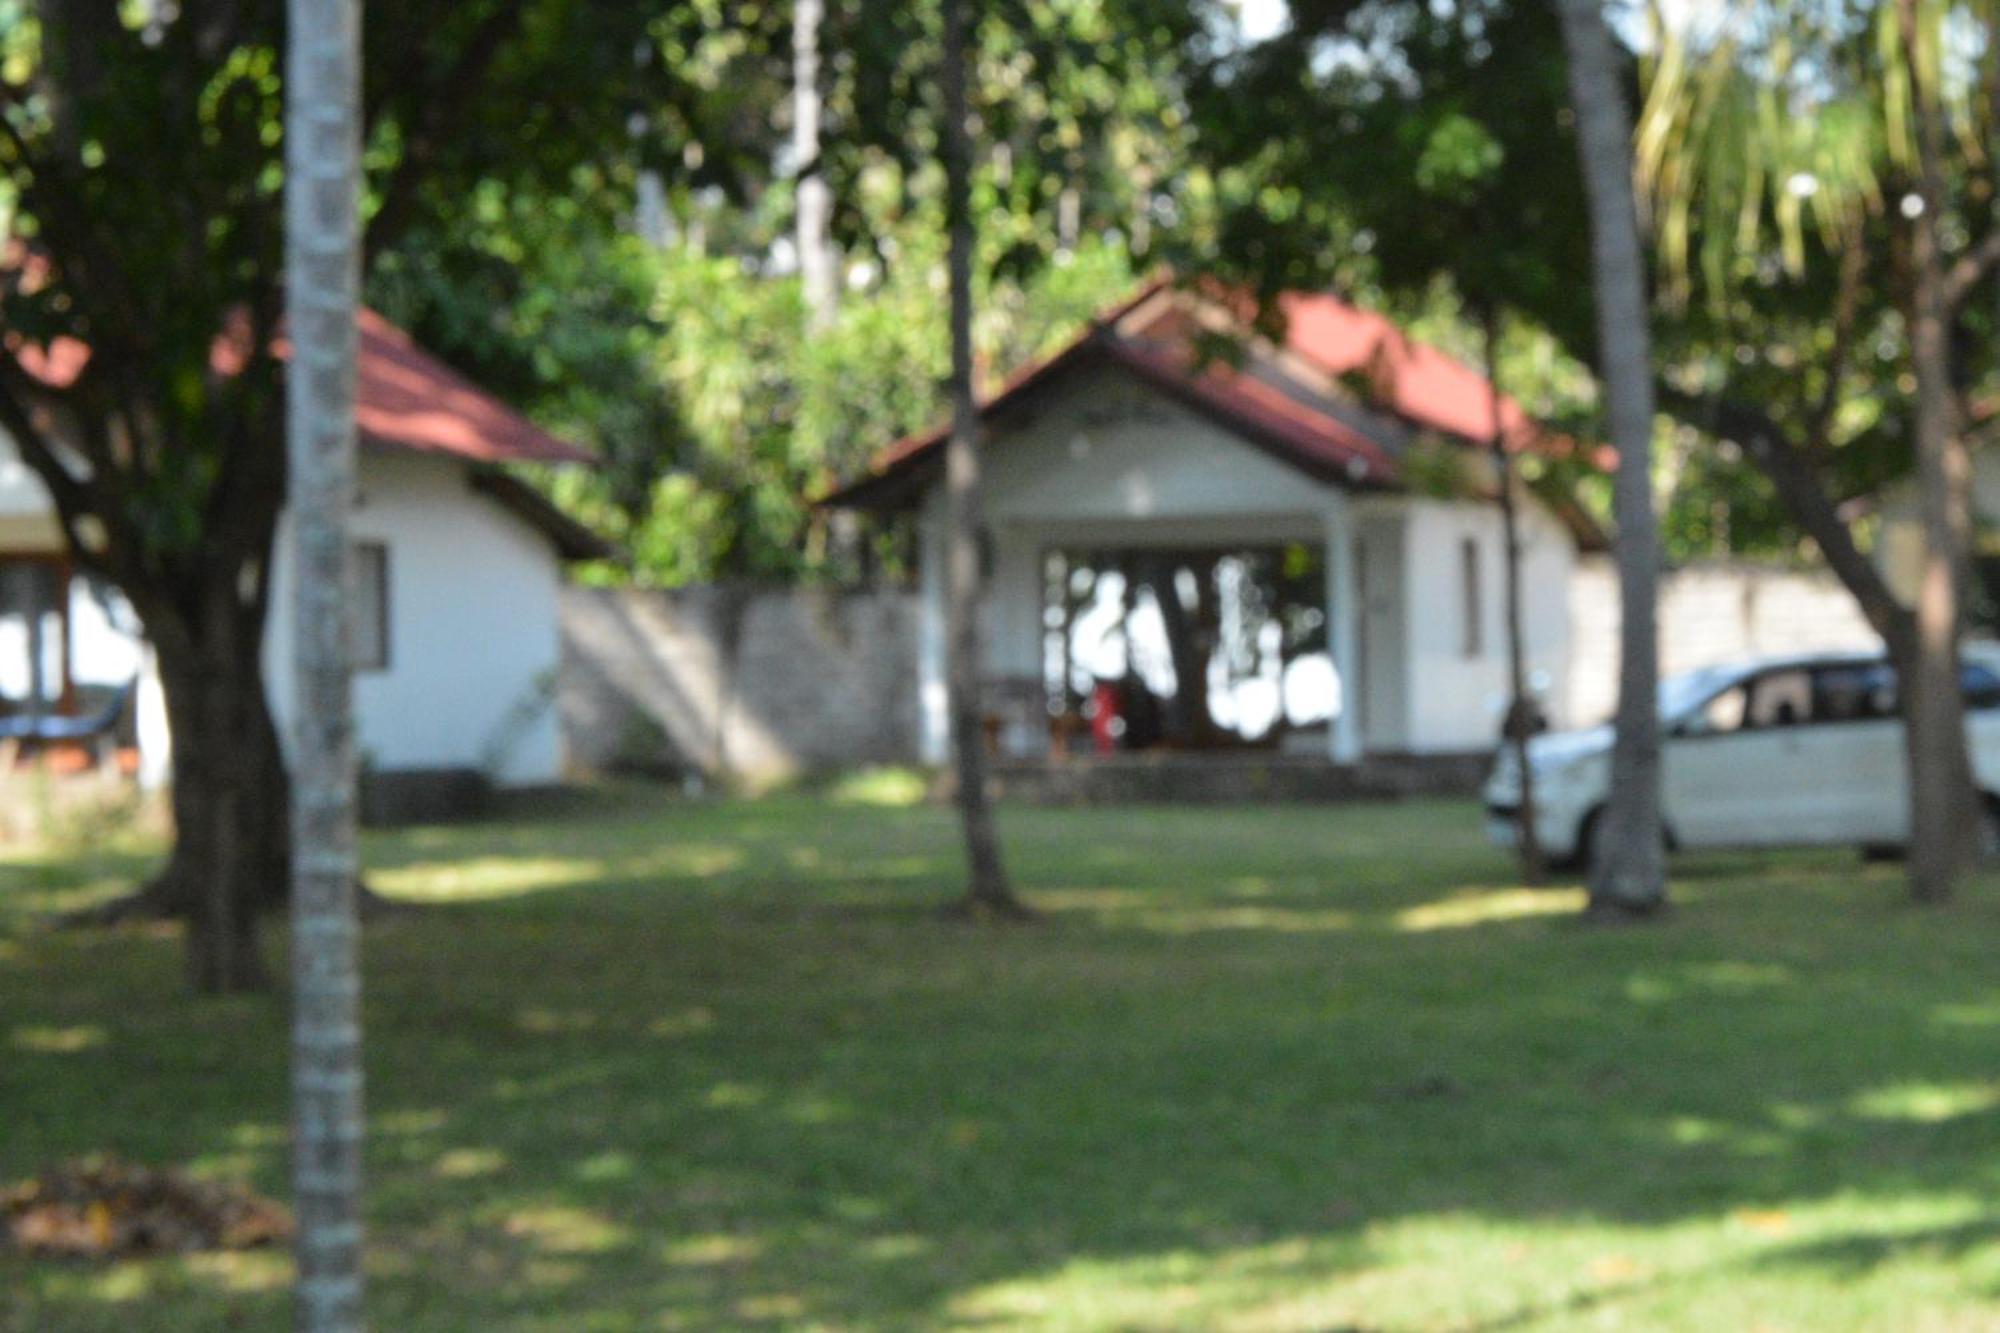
(1866,690)
(370,606)
(1982,687)
(1854,692)
(1474,638)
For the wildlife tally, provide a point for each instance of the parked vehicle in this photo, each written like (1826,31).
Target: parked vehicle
(1777,752)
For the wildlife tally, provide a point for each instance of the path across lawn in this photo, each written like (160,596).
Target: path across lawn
(648,1064)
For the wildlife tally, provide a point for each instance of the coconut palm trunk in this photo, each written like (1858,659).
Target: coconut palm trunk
(1944,804)
(322,275)
(1628,861)
(813,205)
(988,891)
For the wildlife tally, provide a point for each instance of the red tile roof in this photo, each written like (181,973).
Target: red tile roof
(1296,400)
(1412,379)
(405,398)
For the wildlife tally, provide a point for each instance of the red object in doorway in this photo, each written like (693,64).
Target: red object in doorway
(1105,716)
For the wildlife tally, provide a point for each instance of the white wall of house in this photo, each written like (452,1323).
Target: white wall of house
(27,523)
(474,639)
(1110,462)
(1458,680)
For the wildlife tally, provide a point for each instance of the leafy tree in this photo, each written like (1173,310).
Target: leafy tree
(1772,156)
(695,360)
(1461,105)
(161,448)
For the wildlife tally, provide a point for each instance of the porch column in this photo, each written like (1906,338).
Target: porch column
(1342,609)
(933,695)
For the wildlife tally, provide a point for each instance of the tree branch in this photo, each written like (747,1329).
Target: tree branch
(1791,472)
(1846,310)
(72,498)
(1972,266)
(437,111)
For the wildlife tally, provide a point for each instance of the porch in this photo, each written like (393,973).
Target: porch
(70,659)
(1198,639)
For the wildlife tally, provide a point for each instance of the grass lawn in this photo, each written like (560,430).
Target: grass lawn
(660,1065)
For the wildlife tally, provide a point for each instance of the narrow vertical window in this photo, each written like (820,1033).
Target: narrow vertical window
(371,606)
(1473,638)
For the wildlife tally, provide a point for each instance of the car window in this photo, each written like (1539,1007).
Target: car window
(1720,715)
(1854,692)
(1781,699)
(1982,687)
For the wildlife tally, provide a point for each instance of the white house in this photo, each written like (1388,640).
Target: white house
(459,564)
(1309,524)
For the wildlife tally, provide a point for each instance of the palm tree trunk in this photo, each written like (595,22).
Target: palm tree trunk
(1520,707)
(987,891)
(1944,810)
(322,152)
(1629,876)
(813,201)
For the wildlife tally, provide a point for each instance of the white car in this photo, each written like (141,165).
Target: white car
(1778,752)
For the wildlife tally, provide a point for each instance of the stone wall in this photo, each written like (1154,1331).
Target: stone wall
(734,683)
(1711,612)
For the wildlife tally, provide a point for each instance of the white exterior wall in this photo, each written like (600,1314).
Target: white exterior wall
(1458,702)
(1383,625)
(474,640)
(27,521)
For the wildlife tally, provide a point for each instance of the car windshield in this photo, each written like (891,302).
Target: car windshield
(1682,694)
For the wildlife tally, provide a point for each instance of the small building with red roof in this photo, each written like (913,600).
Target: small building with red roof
(1201,536)
(459,564)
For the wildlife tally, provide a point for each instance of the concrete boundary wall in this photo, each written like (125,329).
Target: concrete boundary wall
(737,683)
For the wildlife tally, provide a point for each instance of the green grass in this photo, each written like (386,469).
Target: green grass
(655,1065)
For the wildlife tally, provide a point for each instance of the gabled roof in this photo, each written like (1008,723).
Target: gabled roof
(1342,397)
(405,398)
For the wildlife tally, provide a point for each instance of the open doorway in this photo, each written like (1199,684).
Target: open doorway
(1149,648)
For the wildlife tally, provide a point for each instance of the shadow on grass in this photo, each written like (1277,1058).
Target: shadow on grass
(721,1064)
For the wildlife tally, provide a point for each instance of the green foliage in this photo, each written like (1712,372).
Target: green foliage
(722,419)
(1776,158)
(688,366)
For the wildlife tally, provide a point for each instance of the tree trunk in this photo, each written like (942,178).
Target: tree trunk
(227,866)
(1944,802)
(1189,722)
(819,267)
(1519,728)
(1629,876)
(987,889)
(1934,747)
(323,271)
